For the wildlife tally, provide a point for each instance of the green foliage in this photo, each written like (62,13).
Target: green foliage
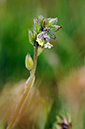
(31,37)
(51,35)
(52,21)
(36,26)
(44,33)
(69,48)
(52,28)
(34,35)
(55,28)
(40,20)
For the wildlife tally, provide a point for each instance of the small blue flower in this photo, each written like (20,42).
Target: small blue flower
(47,37)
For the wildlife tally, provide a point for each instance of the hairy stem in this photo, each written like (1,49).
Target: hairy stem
(29,84)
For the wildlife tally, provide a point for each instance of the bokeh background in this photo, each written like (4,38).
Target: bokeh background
(60,74)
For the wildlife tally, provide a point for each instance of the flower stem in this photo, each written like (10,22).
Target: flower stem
(29,84)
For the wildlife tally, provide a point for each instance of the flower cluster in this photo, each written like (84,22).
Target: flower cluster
(62,123)
(43,31)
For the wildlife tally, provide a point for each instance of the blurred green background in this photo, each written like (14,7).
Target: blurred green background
(68,53)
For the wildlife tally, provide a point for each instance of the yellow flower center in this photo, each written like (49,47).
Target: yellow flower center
(48,44)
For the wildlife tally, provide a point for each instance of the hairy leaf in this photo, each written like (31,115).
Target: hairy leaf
(36,26)
(31,37)
(28,62)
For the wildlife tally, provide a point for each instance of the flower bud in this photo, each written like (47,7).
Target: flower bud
(45,23)
(46,29)
(28,62)
(63,122)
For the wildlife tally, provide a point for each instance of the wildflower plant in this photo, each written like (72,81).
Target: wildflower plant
(62,122)
(43,30)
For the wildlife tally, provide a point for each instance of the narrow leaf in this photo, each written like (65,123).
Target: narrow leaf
(31,37)
(36,26)
(55,28)
(51,35)
(34,35)
(53,21)
(40,20)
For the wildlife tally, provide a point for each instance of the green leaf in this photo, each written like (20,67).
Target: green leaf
(28,62)
(36,26)
(34,35)
(31,37)
(40,20)
(40,49)
(52,21)
(55,27)
(51,35)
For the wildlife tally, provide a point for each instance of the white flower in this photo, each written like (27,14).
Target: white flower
(48,45)
(40,42)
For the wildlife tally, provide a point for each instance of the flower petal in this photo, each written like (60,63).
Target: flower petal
(47,37)
(40,42)
(48,45)
(40,35)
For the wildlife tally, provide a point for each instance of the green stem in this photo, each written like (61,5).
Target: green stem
(28,87)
